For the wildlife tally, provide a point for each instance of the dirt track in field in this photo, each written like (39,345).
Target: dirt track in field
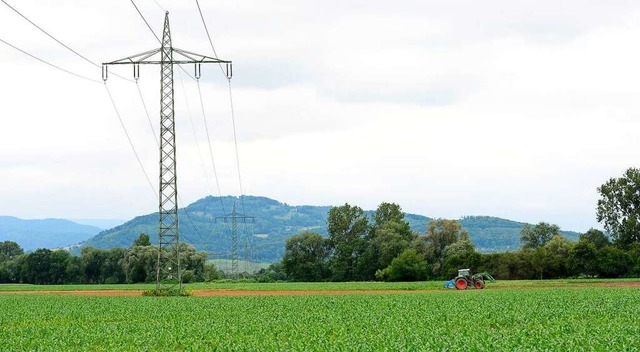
(209,293)
(228,293)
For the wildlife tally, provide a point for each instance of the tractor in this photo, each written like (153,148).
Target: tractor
(465,280)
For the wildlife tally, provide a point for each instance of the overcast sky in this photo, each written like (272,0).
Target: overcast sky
(516,109)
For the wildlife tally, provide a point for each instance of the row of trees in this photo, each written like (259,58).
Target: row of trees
(546,254)
(97,266)
(384,248)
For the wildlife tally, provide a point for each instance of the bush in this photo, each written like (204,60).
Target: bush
(408,266)
(188,276)
(112,280)
(173,292)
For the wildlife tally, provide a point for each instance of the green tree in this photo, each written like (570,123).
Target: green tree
(619,207)
(142,240)
(139,264)
(273,273)
(74,272)
(440,234)
(459,255)
(557,264)
(211,272)
(388,212)
(496,264)
(347,226)
(536,236)
(540,259)
(36,267)
(192,260)
(389,236)
(634,255)
(582,257)
(597,237)
(9,250)
(58,261)
(408,266)
(92,261)
(305,257)
(112,267)
(11,270)
(6,275)
(613,262)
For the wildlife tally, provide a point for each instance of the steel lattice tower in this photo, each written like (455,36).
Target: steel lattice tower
(234,216)
(168,236)
(168,266)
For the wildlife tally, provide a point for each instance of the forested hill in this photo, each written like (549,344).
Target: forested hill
(275,221)
(44,233)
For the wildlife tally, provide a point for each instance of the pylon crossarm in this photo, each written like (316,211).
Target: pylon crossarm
(135,59)
(236,216)
(195,58)
(188,58)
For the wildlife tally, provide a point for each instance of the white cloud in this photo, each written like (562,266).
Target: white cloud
(509,108)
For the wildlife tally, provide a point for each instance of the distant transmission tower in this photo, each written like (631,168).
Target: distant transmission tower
(168,266)
(234,216)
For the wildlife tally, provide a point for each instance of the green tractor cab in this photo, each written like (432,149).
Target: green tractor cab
(465,280)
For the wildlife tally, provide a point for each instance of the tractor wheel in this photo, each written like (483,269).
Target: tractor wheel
(461,283)
(479,284)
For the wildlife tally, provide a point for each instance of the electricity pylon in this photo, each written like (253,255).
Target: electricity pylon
(168,273)
(234,216)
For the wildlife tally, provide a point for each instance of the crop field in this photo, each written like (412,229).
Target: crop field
(559,316)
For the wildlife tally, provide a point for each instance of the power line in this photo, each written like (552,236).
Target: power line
(129,139)
(49,35)
(145,21)
(215,173)
(168,234)
(235,139)
(155,35)
(235,142)
(233,119)
(161,8)
(58,41)
(206,128)
(202,104)
(209,36)
(48,63)
(195,135)
(158,144)
(146,111)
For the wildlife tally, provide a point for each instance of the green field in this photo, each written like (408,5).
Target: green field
(519,318)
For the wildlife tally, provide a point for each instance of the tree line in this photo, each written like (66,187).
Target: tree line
(384,248)
(97,266)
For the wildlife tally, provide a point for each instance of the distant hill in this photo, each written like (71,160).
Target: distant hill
(45,233)
(275,221)
(491,234)
(102,224)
